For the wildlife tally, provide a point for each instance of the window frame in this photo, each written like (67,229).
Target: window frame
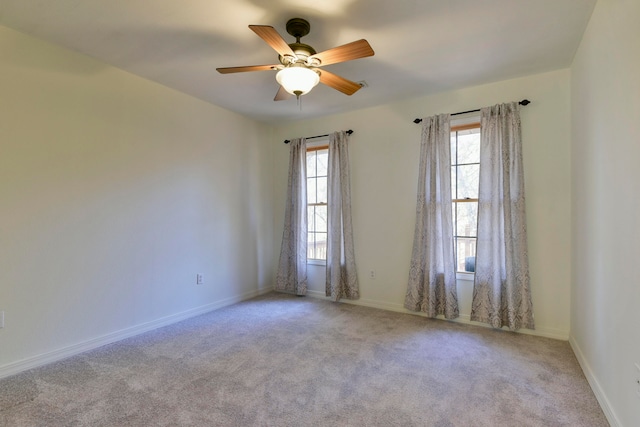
(462,125)
(322,144)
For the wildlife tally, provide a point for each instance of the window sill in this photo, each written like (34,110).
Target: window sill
(467,277)
(316,262)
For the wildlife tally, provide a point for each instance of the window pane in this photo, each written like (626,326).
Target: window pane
(467,224)
(317,245)
(469,146)
(466,254)
(310,218)
(323,159)
(311,245)
(321,246)
(311,163)
(321,189)
(311,190)
(453,148)
(321,218)
(454,181)
(468,177)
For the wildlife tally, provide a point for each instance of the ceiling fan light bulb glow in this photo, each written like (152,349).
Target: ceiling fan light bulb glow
(297,80)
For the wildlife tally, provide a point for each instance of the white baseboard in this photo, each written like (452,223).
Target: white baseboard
(595,384)
(72,350)
(464,318)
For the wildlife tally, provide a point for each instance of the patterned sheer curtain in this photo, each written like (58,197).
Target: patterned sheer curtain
(292,268)
(341,281)
(432,278)
(501,294)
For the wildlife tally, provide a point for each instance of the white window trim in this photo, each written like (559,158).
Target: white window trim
(465,276)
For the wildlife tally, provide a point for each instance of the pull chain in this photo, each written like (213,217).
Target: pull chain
(298,99)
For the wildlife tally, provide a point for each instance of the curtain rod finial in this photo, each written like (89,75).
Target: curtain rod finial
(524,102)
(416,121)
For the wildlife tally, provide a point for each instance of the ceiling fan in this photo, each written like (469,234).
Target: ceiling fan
(299,68)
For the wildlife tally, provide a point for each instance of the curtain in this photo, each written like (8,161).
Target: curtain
(501,294)
(341,278)
(292,268)
(432,277)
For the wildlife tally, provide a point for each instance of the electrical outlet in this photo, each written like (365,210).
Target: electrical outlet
(637,379)
(1,319)
(199,280)
(372,274)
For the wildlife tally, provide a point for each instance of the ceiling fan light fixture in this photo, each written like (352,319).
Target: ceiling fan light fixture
(299,63)
(297,80)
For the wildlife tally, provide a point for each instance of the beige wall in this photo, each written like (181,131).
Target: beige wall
(384,160)
(605,319)
(115,192)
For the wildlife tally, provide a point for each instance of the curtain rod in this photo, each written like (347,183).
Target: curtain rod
(523,102)
(349,132)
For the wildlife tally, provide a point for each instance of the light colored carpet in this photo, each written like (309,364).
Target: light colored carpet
(281,360)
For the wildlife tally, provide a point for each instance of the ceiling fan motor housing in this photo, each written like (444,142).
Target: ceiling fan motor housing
(298,28)
(302,51)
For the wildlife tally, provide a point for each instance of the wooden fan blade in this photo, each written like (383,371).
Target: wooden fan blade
(339,83)
(273,39)
(229,70)
(346,52)
(282,95)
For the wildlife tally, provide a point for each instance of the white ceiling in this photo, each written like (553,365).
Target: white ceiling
(421,46)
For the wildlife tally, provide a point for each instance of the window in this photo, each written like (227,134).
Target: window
(465,175)
(317,158)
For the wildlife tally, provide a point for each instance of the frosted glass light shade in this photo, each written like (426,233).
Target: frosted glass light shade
(297,80)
